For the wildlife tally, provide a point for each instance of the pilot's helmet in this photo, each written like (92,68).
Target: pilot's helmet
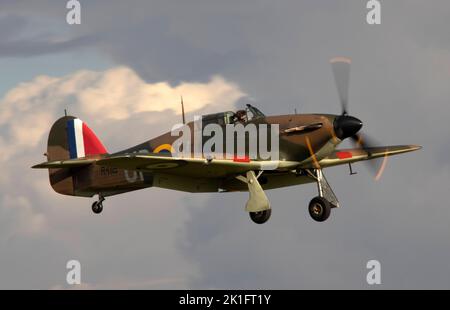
(241,114)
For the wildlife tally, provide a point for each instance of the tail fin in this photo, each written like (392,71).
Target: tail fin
(70,138)
(82,140)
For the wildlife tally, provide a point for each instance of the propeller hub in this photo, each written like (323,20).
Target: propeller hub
(346,126)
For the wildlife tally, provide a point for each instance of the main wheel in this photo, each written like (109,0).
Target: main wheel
(97,207)
(261,217)
(319,209)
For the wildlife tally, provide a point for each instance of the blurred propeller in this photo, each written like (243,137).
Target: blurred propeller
(346,126)
(365,142)
(341,72)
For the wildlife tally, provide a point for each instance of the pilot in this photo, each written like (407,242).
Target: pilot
(241,116)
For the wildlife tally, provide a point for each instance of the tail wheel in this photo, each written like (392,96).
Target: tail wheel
(319,209)
(97,207)
(261,217)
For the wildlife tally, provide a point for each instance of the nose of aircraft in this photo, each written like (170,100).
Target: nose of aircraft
(346,126)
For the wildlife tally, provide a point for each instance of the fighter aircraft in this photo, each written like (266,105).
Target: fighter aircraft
(80,165)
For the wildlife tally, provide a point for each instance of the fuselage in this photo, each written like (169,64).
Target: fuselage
(296,141)
(301,137)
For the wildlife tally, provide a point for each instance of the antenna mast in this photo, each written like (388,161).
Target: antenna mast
(182,110)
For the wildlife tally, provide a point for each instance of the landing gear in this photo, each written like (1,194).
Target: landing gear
(97,206)
(320,207)
(258,205)
(260,217)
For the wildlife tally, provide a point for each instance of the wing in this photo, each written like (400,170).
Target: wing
(201,167)
(340,157)
(194,167)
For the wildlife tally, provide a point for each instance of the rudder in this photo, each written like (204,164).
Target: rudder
(70,138)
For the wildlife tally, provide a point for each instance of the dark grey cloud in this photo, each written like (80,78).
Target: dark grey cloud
(19,38)
(31,48)
(10,25)
(278,53)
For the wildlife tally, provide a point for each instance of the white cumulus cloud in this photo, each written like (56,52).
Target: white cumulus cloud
(28,110)
(111,101)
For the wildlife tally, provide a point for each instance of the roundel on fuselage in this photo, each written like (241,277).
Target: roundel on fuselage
(163,148)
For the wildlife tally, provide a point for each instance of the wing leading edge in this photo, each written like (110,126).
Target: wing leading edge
(345,156)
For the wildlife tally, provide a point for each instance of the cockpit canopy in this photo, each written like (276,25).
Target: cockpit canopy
(230,117)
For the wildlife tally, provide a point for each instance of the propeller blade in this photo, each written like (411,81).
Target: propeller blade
(312,153)
(381,169)
(341,73)
(365,142)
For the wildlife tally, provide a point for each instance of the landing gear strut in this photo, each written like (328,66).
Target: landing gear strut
(258,205)
(97,206)
(320,206)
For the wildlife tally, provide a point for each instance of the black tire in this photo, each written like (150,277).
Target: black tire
(319,209)
(261,217)
(97,207)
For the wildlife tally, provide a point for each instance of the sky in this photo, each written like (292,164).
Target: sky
(122,71)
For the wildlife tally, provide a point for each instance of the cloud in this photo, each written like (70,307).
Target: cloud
(117,94)
(121,93)
(29,48)
(18,217)
(44,230)
(23,35)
